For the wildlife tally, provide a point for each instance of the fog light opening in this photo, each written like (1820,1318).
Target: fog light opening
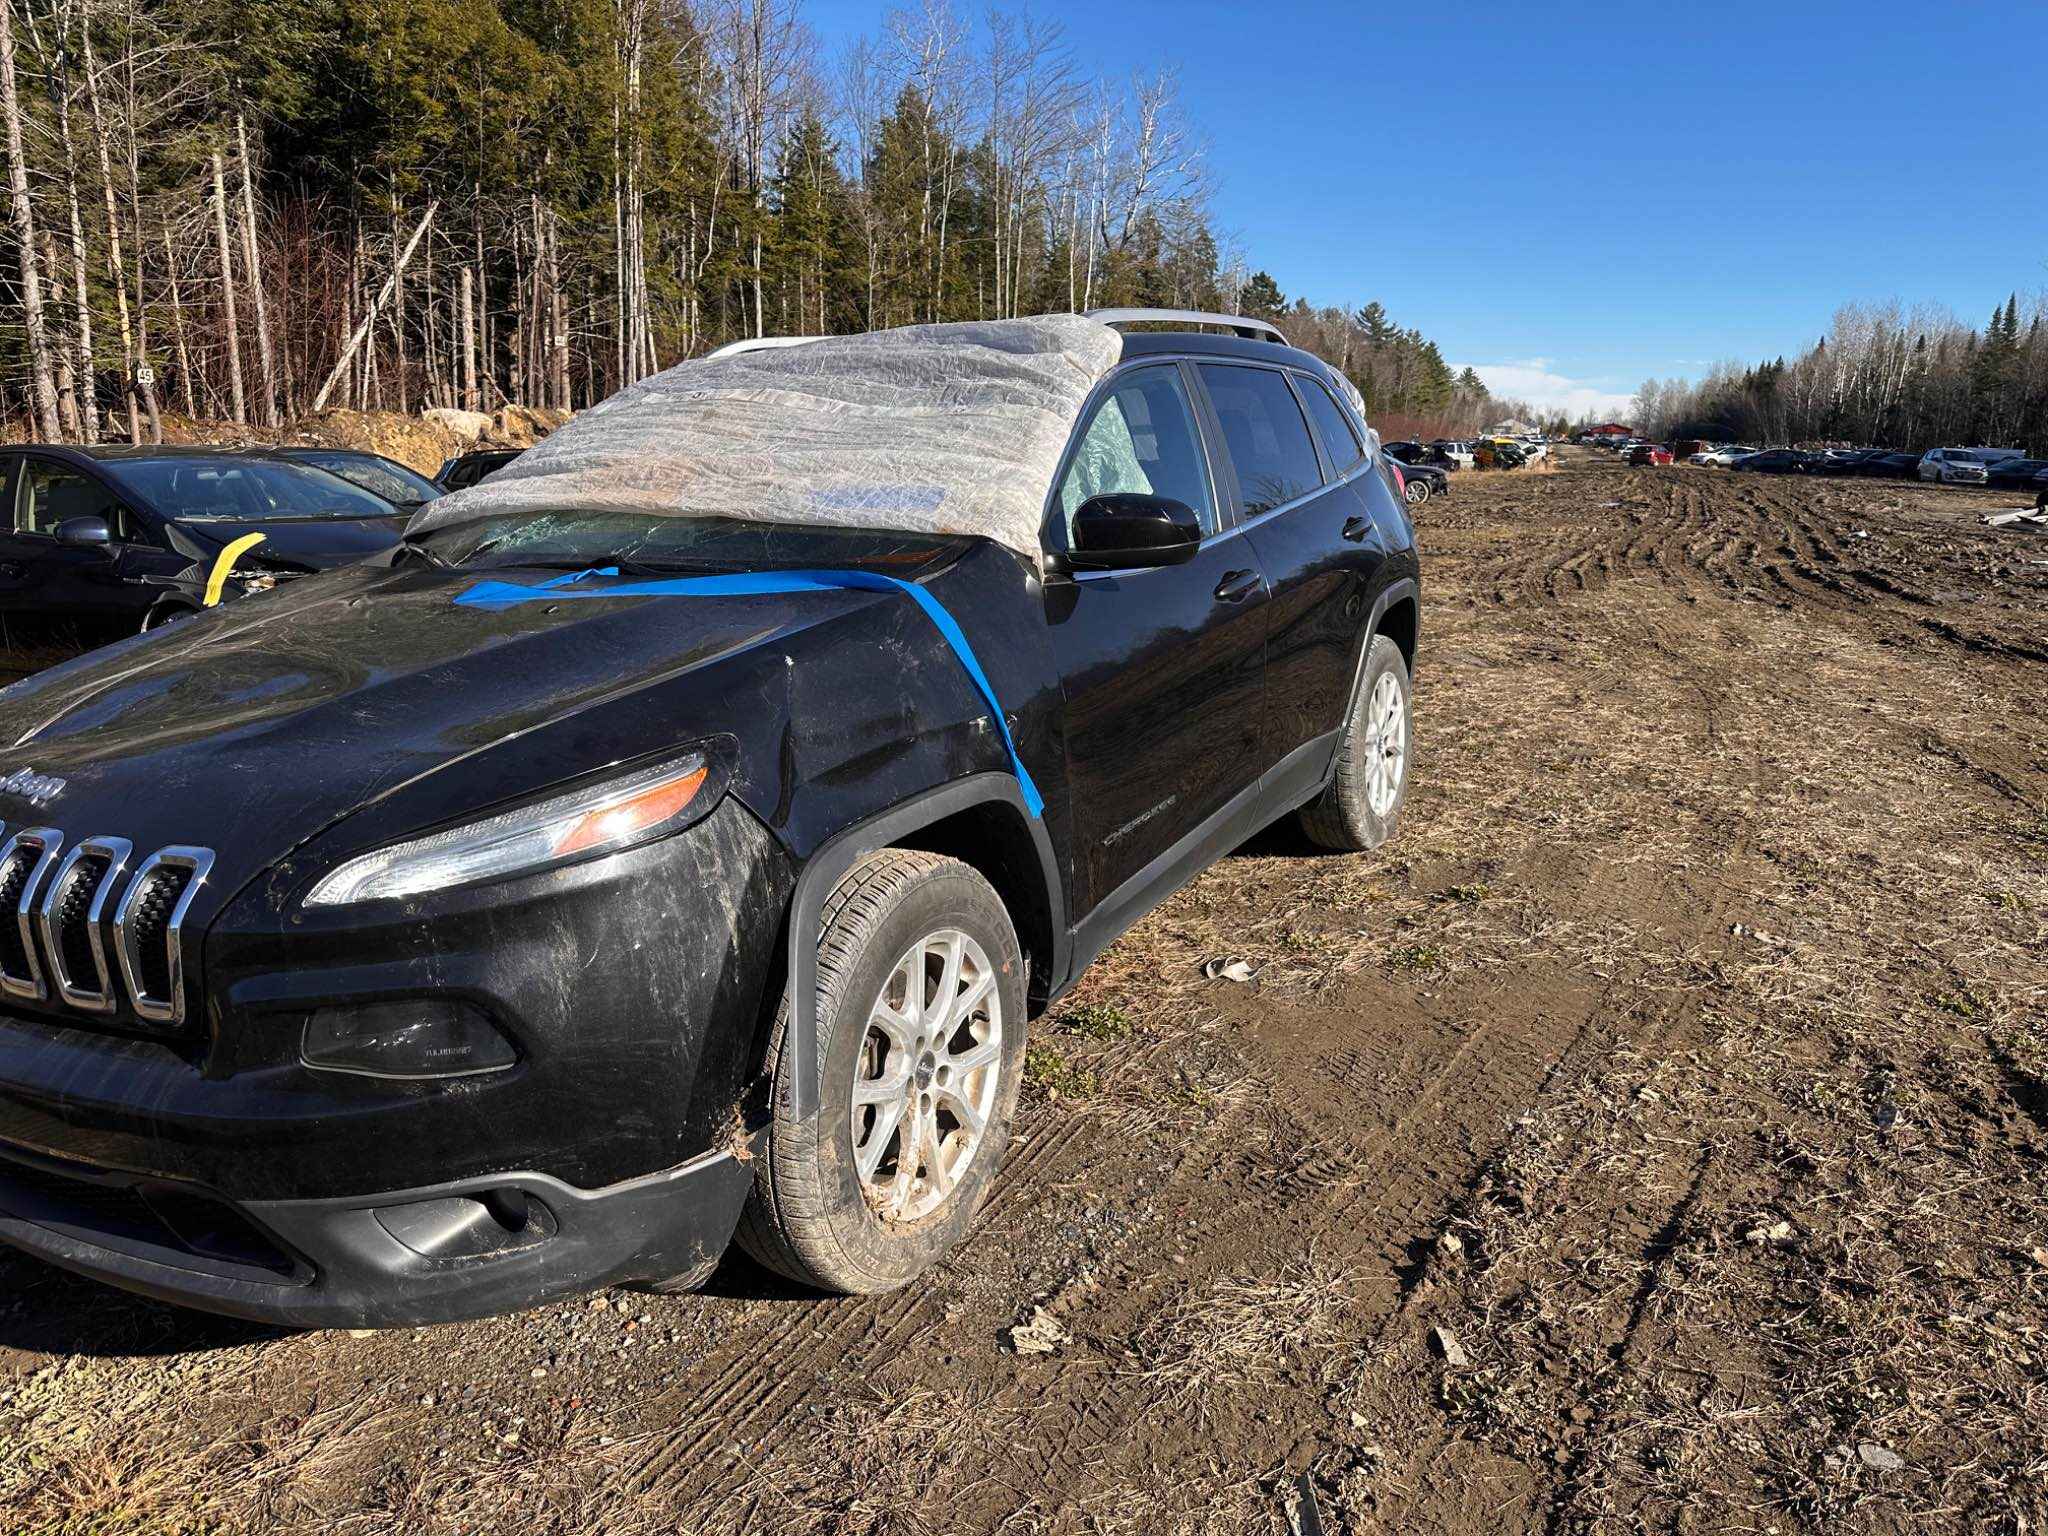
(410,1038)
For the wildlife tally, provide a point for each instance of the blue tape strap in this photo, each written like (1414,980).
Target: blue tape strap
(506,594)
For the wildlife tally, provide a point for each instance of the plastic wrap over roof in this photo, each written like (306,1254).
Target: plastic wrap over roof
(928,429)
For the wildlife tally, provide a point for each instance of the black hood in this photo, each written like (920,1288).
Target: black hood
(254,726)
(298,543)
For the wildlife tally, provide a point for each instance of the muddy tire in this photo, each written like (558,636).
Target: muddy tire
(920,1013)
(1361,807)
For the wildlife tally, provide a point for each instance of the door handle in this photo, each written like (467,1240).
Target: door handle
(1356,528)
(1236,586)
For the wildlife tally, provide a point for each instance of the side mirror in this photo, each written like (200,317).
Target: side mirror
(1122,531)
(84,530)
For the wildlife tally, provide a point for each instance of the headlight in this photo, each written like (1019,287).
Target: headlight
(601,818)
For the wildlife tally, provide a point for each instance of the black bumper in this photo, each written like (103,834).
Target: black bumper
(442,1253)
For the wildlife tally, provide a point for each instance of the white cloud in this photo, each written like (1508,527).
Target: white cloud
(1532,379)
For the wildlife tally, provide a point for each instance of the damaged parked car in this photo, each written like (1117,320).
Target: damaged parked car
(673,839)
(107,541)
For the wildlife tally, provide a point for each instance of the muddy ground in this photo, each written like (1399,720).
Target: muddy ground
(1652,1139)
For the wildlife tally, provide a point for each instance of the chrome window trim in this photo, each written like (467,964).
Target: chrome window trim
(117,851)
(171,1009)
(47,842)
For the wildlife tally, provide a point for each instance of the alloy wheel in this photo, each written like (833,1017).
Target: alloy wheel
(1386,745)
(925,1083)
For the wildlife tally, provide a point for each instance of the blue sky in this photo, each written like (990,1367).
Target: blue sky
(1586,196)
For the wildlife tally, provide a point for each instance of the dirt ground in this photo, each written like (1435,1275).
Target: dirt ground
(1652,1139)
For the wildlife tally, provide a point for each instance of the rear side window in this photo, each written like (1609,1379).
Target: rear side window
(1142,440)
(1334,427)
(1268,441)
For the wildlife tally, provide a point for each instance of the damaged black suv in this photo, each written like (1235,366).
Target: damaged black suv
(539,905)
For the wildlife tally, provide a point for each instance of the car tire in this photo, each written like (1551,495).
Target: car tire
(1416,491)
(835,1203)
(164,613)
(1360,808)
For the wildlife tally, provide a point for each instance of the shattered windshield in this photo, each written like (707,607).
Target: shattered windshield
(579,539)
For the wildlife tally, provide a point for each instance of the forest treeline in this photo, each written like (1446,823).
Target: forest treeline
(1880,377)
(253,211)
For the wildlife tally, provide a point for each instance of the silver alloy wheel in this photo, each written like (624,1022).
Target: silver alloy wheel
(925,1083)
(1417,491)
(1386,744)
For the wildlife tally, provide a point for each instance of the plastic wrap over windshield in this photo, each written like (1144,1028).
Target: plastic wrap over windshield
(931,429)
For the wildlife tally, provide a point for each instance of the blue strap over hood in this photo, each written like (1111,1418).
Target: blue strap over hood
(506,594)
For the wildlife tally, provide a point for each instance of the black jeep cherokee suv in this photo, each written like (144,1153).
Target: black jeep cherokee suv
(419,942)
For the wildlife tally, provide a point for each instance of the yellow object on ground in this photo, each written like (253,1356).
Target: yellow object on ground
(226,563)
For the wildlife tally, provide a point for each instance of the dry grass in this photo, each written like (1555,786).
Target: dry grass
(1246,1329)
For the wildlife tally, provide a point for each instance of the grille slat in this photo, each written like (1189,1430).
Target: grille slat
(55,923)
(23,862)
(73,947)
(14,873)
(147,929)
(71,922)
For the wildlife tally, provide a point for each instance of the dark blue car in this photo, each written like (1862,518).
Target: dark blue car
(108,540)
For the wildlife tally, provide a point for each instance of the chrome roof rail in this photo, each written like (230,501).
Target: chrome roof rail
(1256,330)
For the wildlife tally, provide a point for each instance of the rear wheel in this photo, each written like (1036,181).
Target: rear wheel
(920,1010)
(1416,490)
(1361,807)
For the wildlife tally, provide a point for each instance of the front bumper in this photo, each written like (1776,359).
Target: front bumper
(436,1254)
(211,1165)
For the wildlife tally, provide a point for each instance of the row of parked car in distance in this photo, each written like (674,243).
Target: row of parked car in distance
(1426,468)
(1997,468)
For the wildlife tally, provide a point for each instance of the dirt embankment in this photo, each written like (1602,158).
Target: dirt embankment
(425,442)
(1652,1139)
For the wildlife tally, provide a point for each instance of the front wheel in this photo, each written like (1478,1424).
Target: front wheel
(1361,806)
(920,1010)
(165,613)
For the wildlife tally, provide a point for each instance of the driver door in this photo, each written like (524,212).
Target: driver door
(1162,668)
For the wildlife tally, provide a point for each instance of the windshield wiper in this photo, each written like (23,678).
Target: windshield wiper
(419,551)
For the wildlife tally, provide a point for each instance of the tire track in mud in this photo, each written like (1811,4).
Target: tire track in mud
(766,1377)
(1695,530)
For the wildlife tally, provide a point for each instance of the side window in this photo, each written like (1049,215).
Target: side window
(1269,442)
(1340,441)
(1142,438)
(51,492)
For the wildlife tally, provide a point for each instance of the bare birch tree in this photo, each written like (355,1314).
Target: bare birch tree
(22,213)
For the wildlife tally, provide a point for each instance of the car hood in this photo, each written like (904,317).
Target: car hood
(252,727)
(299,543)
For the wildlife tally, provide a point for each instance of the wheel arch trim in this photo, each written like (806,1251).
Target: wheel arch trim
(834,858)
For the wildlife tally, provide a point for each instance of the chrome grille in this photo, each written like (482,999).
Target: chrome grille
(72,922)
(24,861)
(76,925)
(147,926)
